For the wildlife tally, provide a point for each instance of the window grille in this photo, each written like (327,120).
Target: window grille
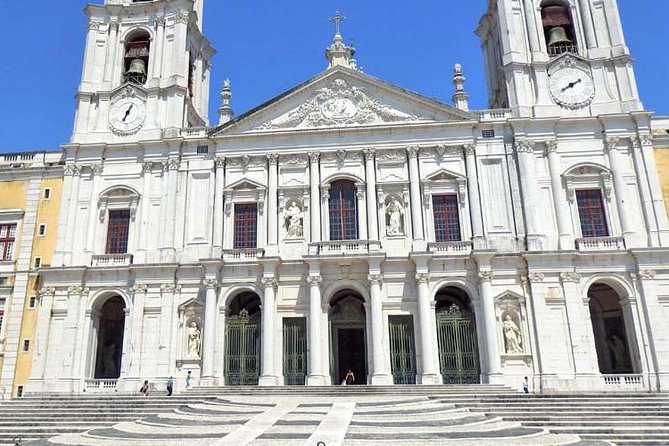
(343,211)
(118,229)
(246,225)
(446,218)
(591,213)
(7,239)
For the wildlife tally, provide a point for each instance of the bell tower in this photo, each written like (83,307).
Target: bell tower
(146,71)
(557,58)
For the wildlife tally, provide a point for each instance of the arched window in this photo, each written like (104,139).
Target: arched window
(136,58)
(343,211)
(558,27)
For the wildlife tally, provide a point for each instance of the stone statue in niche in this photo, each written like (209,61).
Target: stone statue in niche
(293,219)
(194,340)
(395,212)
(512,337)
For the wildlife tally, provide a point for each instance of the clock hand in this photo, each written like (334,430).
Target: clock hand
(571,85)
(127,112)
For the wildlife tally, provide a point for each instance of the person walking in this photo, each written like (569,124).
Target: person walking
(526,385)
(170,386)
(145,388)
(189,378)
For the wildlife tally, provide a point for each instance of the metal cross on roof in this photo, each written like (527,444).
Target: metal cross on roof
(337,19)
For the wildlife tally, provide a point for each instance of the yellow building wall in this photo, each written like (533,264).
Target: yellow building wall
(662,160)
(48,212)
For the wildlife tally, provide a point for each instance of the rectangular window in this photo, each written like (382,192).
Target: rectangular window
(19,392)
(246,226)
(32,303)
(47,193)
(37,262)
(446,218)
(41,231)
(202,149)
(26,345)
(7,239)
(343,207)
(591,213)
(117,231)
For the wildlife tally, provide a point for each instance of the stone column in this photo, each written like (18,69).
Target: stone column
(158,43)
(525,152)
(617,168)
(144,220)
(171,167)
(272,205)
(580,327)
(169,292)
(650,321)
(316,376)
(473,190)
(46,297)
(268,375)
(562,213)
(489,322)
(655,189)
(644,193)
(588,26)
(372,216)
(75,171)
(219,163)
(380,375)
(112,47)
(532,32)
(416,208)
(209,339)
(362,214)
(96,171)
(427,327)
(314,206)
(132,340)
(79,294)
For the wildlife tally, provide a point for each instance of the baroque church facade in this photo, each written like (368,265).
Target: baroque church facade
(350,224)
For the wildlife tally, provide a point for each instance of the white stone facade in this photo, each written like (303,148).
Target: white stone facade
(521,262)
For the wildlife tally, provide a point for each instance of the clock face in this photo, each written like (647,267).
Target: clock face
(571,87)
(127,115)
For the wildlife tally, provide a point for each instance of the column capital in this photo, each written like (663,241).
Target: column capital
(369,154)
(314,157)
(486,276)
(646,274)
(97,169)
(551,145)
(170,288)
(611,142)
(47,291)
(269,282)
(78,290)
(219,162)
(375,279)
(413,151)
(140,288)
(470,149)
(422,278)
(570,276)
(314,280)
(210,284)
(524,146)
(536,277)
(147,167)
(72,170)
(273,159)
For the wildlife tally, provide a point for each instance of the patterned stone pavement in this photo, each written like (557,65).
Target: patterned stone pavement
(328,421)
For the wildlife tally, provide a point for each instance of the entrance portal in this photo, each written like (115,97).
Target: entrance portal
(456,334)
(348,337)
(110,339)
(242,341)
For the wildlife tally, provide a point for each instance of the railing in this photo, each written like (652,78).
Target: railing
(100,385)
(194,131)
(624,382)
(561,48)
(451,248)
(344,247)
(112,260)
(243,255)
(496,114)
(600,244)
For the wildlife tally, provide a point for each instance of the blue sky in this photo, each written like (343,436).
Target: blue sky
(268,47)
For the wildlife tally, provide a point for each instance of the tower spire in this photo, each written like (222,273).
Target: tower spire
(460,97)
(225,112)
(339,54)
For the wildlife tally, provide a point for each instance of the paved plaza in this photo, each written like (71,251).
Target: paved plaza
(319,421)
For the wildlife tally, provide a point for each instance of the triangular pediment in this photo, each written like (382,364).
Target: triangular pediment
(444,175)
(244,184)
(341,98)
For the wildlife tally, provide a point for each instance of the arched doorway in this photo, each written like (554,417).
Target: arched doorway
(110,328)
(242,340)
(456,335)
(611,331)
(348,337)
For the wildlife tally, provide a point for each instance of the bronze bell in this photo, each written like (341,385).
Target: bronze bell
(558,36)
(137,67)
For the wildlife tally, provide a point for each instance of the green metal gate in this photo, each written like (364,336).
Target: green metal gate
(458,348)
(402,357)
(242,350)
(294,351)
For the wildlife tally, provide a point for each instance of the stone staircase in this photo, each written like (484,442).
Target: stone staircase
(623,419)
(32,418)
(422,414)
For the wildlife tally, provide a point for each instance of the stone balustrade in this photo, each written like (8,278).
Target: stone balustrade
(242,255)
(600,244)
(106,260)
(344,247)
(451,248)
(101,385)
(624,382)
